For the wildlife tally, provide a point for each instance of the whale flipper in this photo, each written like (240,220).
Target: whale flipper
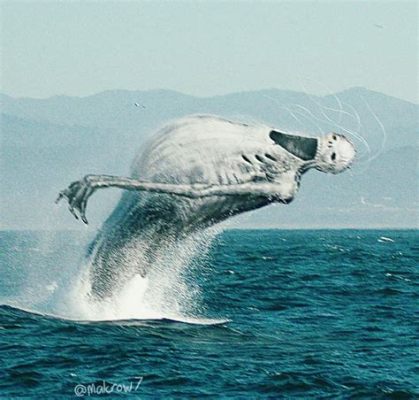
(78,192)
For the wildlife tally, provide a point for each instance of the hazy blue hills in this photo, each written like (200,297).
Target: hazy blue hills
(47,143)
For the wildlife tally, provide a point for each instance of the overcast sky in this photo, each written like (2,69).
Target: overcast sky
(208,48)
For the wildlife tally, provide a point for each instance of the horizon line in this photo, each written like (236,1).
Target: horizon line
(374,228)
(352,88)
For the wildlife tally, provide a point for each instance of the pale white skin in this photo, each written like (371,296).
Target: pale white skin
(222,163)
(196,172)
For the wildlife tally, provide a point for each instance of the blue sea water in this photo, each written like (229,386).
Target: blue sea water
(323,314)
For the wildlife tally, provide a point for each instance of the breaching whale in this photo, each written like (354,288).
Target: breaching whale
(195,172)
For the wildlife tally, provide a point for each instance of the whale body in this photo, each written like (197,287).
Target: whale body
(194,173)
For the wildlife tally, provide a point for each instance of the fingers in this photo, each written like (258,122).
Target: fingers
(66,192)
(60,196)
(77,195)
(71,209)
(76,203)
(73,206)
(83,207)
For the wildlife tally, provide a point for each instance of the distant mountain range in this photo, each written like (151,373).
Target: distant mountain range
(47,143)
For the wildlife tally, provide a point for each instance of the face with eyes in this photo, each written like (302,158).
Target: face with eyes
(334,153)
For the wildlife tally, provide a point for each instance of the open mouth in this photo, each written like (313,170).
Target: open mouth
(300,146)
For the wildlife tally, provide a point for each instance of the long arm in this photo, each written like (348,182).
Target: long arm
(79,192)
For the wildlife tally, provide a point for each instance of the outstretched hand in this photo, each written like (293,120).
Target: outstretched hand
(77,194)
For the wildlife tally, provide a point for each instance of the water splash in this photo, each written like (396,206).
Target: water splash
(169,291)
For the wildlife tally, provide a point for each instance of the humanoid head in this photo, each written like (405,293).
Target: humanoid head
(334,153)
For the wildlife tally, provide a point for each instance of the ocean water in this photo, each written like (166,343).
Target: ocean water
(253,314)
